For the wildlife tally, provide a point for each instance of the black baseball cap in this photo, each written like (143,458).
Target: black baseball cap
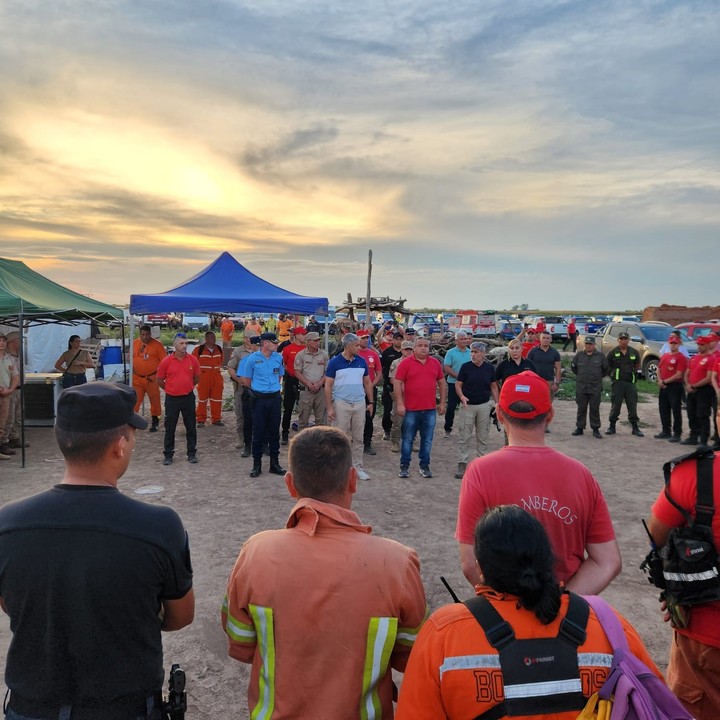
(272,337)
(98,406)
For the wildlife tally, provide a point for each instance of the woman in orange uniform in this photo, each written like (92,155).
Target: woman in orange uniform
(454,671)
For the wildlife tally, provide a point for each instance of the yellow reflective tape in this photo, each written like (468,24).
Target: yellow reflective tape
(263,621)
(380,642)
(407,636)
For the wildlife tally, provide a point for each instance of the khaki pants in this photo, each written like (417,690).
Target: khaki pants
(11,425)
(4,411)
(350,418)
(314,403)
(694,676)
(474,422)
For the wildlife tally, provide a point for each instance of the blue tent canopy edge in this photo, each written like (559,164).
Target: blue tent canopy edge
(227,286)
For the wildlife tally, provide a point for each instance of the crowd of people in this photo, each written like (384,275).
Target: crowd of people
(322,604)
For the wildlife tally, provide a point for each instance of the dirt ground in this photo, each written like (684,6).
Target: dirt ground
(221,506)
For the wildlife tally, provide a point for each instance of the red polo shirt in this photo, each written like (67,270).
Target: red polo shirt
(289,352)
(420,381)
(670,363)
(179,374)
(699,367)
(372,359)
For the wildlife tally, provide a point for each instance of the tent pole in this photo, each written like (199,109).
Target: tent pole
(21,390)
(132,339)
(122,344)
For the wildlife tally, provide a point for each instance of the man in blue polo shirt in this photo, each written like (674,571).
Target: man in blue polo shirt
(454,359)
(347,385)
(261,372)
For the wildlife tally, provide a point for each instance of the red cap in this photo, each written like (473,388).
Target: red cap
(704,340)
(528,387)
(674,336)
(299,330)
(363,333)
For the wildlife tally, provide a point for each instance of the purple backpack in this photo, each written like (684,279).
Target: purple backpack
(636,691)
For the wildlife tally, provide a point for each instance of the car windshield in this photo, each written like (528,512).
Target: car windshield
(657,333)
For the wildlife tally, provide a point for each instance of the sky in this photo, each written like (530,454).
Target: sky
(490,153)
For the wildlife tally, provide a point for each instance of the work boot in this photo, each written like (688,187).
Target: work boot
(16,444)
(275,467)
(690,440)
(7,450)
(703,440)
(193,459)
(395,446)
(596,434)
(611,429)
(369,450)
(4,457)
(386,435)
(155,423)
(675,438)
(285,438)
(257,468)
(662,436)
(246,452)
(460,471)
(577,431)
(636,431)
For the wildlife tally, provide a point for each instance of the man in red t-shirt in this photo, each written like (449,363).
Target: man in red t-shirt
(556,489)
(694,670)
(372,358)
(530,342)
(178,374)
(698,385)
(671,372)
(291,386)
(416,380)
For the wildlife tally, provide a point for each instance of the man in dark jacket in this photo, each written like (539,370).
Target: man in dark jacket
(590,367)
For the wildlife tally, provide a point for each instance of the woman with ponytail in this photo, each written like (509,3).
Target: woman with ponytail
(532,663)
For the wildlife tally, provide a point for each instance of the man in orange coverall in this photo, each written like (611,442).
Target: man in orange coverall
(210,387)
(147,354)
(323,609)
(227,328)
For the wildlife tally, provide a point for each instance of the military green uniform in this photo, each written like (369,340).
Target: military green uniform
(623,374)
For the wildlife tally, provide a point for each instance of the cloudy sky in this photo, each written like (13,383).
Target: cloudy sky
(490,153)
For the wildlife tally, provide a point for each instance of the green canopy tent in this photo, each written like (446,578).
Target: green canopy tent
(27,296)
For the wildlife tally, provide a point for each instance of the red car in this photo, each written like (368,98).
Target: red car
(695,329)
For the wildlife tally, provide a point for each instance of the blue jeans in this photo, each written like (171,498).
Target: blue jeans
(424,421)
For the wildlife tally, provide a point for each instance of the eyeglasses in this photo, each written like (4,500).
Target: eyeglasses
(180,335)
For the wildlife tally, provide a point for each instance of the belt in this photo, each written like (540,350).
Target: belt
(266,395)
(123,709)
(145,376)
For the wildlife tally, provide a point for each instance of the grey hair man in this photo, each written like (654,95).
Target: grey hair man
(477,391)
(455,358)
(347,387)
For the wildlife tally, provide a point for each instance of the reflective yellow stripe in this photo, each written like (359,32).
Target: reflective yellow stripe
(263,620)
(407,636)
(235,629)
(380,642)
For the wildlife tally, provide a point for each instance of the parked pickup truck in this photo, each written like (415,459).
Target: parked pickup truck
(556,325)
(647,338)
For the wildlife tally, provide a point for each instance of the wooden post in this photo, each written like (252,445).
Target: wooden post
(368,321)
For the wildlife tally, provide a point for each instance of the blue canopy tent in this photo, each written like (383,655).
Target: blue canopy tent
(226,286)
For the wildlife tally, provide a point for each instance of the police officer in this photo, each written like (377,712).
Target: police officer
(261,373)
(623,365)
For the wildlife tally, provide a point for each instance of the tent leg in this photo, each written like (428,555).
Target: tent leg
(21,390)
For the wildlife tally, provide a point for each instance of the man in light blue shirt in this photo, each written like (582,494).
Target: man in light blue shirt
(456,357)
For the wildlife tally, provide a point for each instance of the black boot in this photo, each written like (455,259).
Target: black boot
(155,423)
(246,451)
(636,431)
(285,438)
(257,467)
(611,429)
(275,467)
(690,440)
(577,431)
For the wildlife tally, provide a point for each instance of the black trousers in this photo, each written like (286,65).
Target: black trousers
(571,339)
(176,405)
(387,400)
(266,424)
(585,400)
(247,417)
(291,391)
(627,391)
(369,417)
(670,406)
(699,407)
(452,402)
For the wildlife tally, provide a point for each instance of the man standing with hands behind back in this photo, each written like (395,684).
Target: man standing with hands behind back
(147,355)
(90,577)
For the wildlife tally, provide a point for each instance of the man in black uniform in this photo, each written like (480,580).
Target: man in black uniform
(89,577)
(590,367)
(387,357)
(623,365)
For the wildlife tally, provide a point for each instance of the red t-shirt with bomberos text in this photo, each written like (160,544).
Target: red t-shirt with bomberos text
(671,363)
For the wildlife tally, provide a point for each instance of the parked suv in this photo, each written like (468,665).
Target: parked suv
(694,330)
(647,338)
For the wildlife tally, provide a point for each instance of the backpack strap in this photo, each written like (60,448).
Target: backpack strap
(704,506)
(497,630)
(609,622)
